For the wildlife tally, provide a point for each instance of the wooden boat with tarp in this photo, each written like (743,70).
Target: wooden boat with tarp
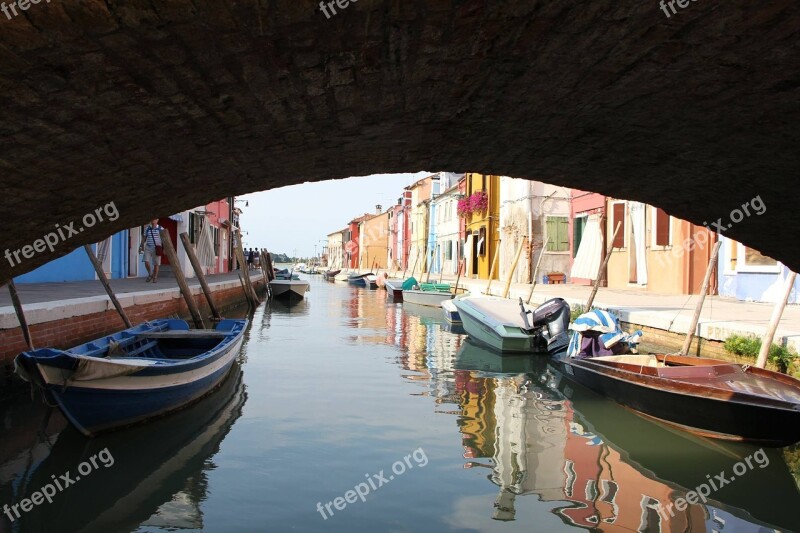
(134,375)
(709,397)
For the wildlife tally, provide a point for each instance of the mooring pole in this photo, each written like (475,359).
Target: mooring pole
(169,249)
(253,297)
(536,270)
(198,269)
(596,284)
(687,343)
(98,268)
(777,312)
(513,268)
(491,270)
(23,324)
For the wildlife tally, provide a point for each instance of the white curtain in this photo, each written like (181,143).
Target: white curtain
(638,226)
(587,261)
(468,255)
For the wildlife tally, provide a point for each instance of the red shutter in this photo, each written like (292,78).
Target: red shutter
(662,228)
(619,218)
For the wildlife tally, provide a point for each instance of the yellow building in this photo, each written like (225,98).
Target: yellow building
(482,225)
(420,199)
(374,237)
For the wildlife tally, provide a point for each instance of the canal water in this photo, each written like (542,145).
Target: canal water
(347,412)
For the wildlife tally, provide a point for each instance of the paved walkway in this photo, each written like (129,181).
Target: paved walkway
(30,293)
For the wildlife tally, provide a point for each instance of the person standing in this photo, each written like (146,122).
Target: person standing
(151,246)
(250,257)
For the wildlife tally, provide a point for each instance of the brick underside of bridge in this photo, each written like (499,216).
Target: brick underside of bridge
(160,106)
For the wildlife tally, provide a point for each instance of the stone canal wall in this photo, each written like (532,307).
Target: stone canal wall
(66,323)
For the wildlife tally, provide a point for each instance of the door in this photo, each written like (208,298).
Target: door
(172,228)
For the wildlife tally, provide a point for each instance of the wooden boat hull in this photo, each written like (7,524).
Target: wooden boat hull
(118,392)
(688,406)
(289,289)
(428,298)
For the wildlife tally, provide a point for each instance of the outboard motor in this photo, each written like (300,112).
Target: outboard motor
(549,322)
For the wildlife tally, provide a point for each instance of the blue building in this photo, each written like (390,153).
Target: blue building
(114,253)
(746,274)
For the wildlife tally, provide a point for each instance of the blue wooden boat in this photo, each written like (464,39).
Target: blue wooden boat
(134,375)
(360,280)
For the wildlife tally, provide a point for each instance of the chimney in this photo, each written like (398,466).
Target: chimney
(378,209)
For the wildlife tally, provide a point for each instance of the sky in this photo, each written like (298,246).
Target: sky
(301,216)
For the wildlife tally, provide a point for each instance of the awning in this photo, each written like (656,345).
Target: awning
(176,218)
(590,251)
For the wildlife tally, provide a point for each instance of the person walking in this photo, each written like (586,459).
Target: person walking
(151,246)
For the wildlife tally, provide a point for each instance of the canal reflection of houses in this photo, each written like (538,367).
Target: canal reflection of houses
(535,447)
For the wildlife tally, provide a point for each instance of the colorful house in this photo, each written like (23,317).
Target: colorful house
(447,242)
(482,214)
(587,241)
(534,215)
(374,240)
(655,251)
(335,250)
(421,192)
(747,274)
(351,238)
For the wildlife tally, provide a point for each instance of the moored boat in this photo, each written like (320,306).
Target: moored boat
(359,280)
(289,288)
(330,275)
(514,327)
(450,312)
(134,375)
(709,397)
(395,287)
(371,281)
(430,294)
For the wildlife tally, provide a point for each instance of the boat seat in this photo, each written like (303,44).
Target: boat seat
(637,359)
(144,347)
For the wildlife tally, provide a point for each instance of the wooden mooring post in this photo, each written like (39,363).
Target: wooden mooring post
(777,312)
(687,343)
(23,324)
(169,250)
(536,271)
(101,275)
(510,276)
(198,270)
(488,290)
(596,284)
(253,297)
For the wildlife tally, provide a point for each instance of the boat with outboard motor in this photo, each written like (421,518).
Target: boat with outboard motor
(511,327)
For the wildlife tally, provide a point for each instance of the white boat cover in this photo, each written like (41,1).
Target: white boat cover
(91,368)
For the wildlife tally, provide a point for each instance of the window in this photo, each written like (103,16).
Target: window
(557,234)
(482,241)
(618,217)
(215,232)
(448,250)
(193,228)
(750,260)
(662,228)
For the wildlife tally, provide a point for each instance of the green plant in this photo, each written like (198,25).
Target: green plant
(749,346)
(575,311)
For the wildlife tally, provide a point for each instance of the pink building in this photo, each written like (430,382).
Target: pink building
(587,210)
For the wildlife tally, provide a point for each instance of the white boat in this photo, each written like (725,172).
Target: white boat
(509,326)
(342,276)
(450,312)
(429,298)
(289,288)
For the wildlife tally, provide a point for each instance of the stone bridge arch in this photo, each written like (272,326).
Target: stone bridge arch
(163,104)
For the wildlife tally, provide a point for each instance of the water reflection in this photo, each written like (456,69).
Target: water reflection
(600,466)
(158,476)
